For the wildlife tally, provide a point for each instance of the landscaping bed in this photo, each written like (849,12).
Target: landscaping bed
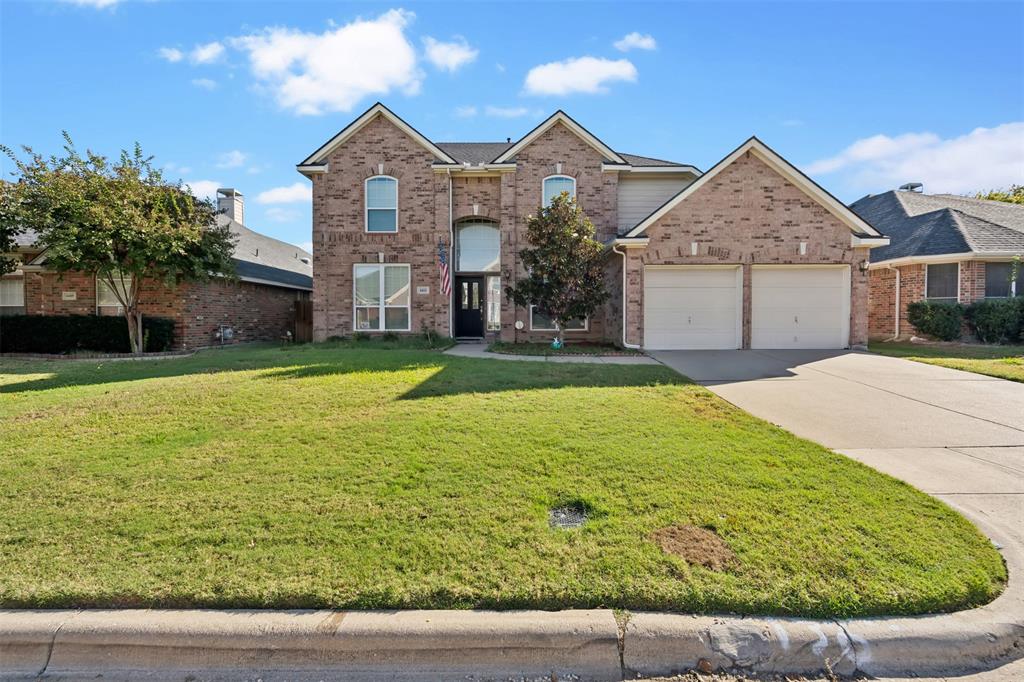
(1005,362)
(583,348)
(341,475)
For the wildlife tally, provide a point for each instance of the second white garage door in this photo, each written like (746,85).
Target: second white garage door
(692,307)
(800,307)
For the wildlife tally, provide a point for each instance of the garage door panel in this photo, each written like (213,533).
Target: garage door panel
(799,307)
(691,308)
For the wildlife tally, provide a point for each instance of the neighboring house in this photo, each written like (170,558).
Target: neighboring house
(944,248)
(751,254)
(260,305)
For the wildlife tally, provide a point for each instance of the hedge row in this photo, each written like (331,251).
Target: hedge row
(68,333)
(996,321)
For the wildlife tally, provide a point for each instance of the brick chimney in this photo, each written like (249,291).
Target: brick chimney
(230,201)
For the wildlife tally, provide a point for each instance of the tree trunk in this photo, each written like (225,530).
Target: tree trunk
(559,334)
(135,340)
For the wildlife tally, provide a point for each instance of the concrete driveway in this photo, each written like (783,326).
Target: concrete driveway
(956,435)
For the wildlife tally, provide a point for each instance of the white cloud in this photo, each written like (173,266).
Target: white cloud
(206,54)
(176,168)
(231,159)
(449,56)
(507,112)
(466,111)
(578,74)
(204,189)
(313,73)
(171,54)
(289,194)
(982,159)
(98,4)
(282,215)
(635,41)
(500,67)
(204,83)
(306,246)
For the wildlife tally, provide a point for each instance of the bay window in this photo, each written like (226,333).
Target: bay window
(382,297)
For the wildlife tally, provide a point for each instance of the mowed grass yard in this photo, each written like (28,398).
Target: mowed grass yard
(1005,362)
(329,476)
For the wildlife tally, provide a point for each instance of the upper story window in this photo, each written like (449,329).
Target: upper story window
(554,185)
(997,280)
(942,281)
(381,204)
(478,247)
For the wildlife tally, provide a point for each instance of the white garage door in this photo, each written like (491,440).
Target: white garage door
(692,307)
(800,307)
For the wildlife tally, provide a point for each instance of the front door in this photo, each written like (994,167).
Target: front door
(469,306)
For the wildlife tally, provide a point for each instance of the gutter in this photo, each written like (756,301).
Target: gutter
(615,248)
(896,325)
(451,254)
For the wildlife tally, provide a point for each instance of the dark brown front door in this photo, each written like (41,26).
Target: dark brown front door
(469,306)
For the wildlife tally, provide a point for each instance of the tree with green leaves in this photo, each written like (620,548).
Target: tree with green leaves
(565,276)
(9,227)
(1014,195)
(120,220)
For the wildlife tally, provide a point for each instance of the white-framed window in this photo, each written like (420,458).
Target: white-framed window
(381,297)
(942,281)
(381,193)
(107,302)
(553,185)
(493,303)
(12,296)
(477,247)
(542,322)
(997,281)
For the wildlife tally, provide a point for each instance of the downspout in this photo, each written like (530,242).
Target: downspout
(631,346)
(451,255)
(896,319)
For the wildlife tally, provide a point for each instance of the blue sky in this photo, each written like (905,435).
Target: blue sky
(863,96)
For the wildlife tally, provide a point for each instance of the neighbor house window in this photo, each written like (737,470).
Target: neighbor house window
(493,303)
(107,302)
(942,281)
(382,298)
(997,280)
(12,296)
(478,247)
(542,322)
(381,204)
(555,185)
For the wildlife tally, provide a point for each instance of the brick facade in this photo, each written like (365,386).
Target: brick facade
(256,312)
(882,305)
(749,214)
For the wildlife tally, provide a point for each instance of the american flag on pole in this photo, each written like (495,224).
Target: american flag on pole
(442,261)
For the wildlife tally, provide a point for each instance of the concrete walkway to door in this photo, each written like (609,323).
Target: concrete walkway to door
(956,435)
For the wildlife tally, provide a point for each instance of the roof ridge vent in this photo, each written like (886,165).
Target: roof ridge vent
(912,187)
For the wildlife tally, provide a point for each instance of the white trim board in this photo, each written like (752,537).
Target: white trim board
(320,155)
(765,154)
(563,118)
(995,256)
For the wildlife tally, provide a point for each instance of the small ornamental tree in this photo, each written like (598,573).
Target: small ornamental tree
(120,220)
(10,228)
(1014,195)
(565,278)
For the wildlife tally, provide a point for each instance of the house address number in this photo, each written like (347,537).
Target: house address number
(422,291)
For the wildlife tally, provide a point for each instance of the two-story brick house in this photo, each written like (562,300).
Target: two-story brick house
(750,254)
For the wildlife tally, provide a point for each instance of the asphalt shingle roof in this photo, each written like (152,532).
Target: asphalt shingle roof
(937,224)
(485,152)
(262,257)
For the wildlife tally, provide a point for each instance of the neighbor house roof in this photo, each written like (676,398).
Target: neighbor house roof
(930,225)
(863,233)
(260,258)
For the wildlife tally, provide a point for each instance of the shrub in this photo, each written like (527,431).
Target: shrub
(999,321)
(68,333)
(942,321)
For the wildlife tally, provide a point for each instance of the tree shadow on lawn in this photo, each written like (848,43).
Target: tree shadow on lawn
(451,375)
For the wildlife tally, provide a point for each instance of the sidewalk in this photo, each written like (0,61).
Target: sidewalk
(479,350)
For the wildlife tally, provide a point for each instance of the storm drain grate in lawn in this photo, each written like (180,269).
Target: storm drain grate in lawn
(567,517)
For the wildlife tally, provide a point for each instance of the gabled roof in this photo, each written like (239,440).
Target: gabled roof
(319,157)
(566,120)
(858,226)
(928,225)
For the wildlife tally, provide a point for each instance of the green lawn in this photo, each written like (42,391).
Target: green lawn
(351,477)
(1005,362)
